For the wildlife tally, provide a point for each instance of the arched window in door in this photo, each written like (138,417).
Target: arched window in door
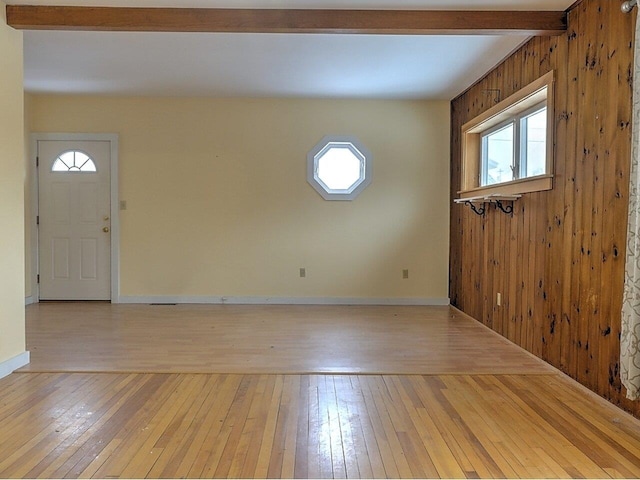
(74,161)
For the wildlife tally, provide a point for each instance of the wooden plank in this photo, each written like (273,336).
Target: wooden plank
(270,424)
(405,22)
(567,361)
(609,285)
(225,452)
(357,456)
(373,453)
(178,436)
(148,451)
(551,352)
(76,453)
(291,397)
(218,407)
(622,55)
(323,425)
(182,457)
(245,457)
(70,419)
(543,434)
(583,436)
(383,442)
(14,423)
(488,433)
(435,445)
(581,294)
(421,461)
(460,439)
(600,64)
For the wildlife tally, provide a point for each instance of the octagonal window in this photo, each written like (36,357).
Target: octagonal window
(339,168)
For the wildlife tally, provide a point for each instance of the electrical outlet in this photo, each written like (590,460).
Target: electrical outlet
(303,272)
(123,204)
(499,299)
(405,273)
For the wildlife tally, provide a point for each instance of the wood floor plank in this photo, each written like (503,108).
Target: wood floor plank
(520,449)
(418,459)
(352,456)
(325,453)
(313,439)
(63,430)
(176,438)
(253,436)
(238,460)
(189,434)
(440,456)
(291,430)
(301,469)
(594,442)
(131,425)
(449,422)
(387,441)
(69,453)
(233,426)
(220,406)
(15,422)
(363,420)
(271,421)
(336,440)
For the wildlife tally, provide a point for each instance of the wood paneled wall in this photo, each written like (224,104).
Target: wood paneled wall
(559,260)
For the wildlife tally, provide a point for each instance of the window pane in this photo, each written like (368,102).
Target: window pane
(59,166)
(339,168)
(535,126)
(497,161)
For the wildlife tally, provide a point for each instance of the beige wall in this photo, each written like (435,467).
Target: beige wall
(218,203)
(12,335)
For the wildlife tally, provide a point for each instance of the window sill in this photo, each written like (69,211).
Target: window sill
(516,187)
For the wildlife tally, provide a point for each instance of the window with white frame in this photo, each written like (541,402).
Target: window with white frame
(339,168)
(516,148)
(508,149)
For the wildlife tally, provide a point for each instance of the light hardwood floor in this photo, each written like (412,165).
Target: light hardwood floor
(515,422)
(99,337)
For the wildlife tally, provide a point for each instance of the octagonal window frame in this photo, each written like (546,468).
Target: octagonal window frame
(357,149)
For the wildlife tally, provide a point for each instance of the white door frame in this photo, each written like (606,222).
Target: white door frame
(112,138)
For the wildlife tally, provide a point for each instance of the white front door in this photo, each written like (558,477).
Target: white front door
(74,209)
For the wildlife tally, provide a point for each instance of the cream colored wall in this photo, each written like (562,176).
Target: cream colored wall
(218,203)
(12,333)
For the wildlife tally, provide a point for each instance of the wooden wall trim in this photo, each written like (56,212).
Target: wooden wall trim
(406,22)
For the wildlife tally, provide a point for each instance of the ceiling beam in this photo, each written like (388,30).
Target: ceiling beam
(404,22)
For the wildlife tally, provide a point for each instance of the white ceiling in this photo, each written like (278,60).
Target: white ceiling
(286,65)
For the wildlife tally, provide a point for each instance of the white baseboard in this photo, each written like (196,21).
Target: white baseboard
(283,300)
(9,366)
(29,301)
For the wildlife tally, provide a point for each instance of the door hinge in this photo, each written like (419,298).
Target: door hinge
(37,162)
(37,219)
(38,278)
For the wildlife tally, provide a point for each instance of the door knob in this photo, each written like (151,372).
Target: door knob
(105,229)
